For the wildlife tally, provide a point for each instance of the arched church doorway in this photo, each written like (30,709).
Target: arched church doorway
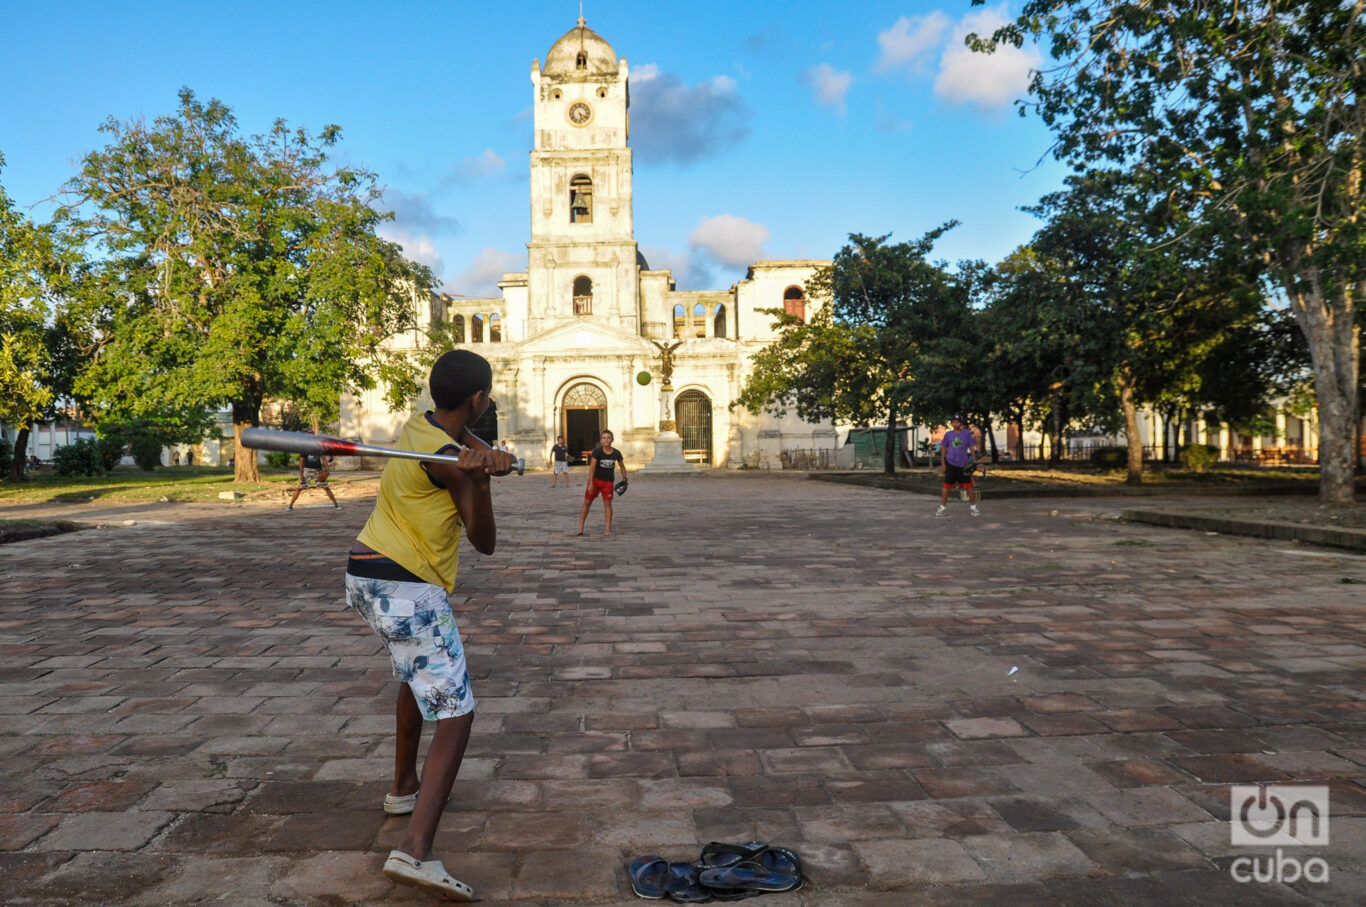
(584,416)
(486,428)
(693,411)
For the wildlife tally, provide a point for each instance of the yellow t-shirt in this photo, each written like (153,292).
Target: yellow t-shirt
(415,523)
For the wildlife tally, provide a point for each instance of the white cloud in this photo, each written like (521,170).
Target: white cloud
(416,246)
(673,121)
(690,272)
(886,122)
(732,241)
(830,84)
(414,212)
(474,167)
(481,278)
(909,39)
(987,81)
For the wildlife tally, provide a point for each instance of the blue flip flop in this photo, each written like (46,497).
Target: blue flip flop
(682,885)
(648,875)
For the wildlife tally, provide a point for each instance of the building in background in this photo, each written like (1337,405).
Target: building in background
(569,335)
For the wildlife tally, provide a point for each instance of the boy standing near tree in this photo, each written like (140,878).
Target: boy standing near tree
(315,469)
(400,572)
(957,451)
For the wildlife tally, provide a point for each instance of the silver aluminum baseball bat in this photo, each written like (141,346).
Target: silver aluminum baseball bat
(300,442)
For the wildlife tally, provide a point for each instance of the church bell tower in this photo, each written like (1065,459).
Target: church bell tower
(581,260)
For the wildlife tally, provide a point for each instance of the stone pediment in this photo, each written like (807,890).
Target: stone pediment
(585,337)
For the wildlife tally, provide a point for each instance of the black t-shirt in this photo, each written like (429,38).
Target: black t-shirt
(607,464)
(560,453)
(312,461)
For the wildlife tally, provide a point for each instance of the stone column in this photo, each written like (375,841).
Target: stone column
(669,444)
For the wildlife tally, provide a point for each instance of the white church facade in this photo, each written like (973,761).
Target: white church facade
(569,336)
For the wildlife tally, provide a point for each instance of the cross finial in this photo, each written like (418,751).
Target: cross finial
(580,13)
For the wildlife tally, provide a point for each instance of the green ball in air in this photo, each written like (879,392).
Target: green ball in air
(642,378)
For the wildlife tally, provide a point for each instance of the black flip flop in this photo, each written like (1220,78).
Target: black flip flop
(717,854)
(750,875)
(648,875)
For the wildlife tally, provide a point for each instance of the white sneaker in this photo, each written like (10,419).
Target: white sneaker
(942,511)
(974,511)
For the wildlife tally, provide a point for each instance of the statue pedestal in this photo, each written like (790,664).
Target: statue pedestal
(668,456)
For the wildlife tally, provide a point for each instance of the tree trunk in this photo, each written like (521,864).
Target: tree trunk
(889,449)
(245,469)
(1055,433)
(1335,347)
(1019,439)
(1131,435)
(16,468)
(990,438)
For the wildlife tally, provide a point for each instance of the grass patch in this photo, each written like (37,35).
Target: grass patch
(175,483)
(23,530)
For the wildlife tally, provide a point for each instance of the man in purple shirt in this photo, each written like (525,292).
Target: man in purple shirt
(957,451)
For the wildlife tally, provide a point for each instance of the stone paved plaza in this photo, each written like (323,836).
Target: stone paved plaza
(191,715)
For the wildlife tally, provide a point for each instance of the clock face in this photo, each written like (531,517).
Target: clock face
(580,113)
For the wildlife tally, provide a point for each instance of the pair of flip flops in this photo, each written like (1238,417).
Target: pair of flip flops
(723,872)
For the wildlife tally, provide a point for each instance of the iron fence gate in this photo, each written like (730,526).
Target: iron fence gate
(693,413)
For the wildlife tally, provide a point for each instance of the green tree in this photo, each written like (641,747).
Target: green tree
(33,265)
(231,270)
(1031,335)
(883,342)
(1132,305)
(1248,117)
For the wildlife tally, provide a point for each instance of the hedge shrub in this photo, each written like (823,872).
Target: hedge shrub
(1199,457)
(1109,457)
(80,458)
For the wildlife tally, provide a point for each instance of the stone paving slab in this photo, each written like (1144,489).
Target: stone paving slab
(1042,706)
(1353,539)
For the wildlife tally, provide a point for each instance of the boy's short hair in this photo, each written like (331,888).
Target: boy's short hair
(608,433)
(457,376)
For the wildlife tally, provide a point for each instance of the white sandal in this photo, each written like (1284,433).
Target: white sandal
(426,875)
(400,806)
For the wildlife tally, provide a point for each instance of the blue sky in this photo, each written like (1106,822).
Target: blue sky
(761,129)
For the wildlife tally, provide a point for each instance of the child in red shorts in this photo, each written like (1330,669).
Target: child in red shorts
(602,477)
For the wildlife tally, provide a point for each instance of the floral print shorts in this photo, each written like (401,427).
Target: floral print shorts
(418,628)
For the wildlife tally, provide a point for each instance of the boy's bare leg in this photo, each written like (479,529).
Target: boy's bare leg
(438,775)
(607,507)
(297,491)
(407,738)
(329,495)
(944,498)
(583,514)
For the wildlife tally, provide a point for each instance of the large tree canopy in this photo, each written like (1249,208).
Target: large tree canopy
(231,270)
(1248,117)
(887,340)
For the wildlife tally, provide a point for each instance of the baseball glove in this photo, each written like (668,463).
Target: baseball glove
(969,469)
(620,487)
